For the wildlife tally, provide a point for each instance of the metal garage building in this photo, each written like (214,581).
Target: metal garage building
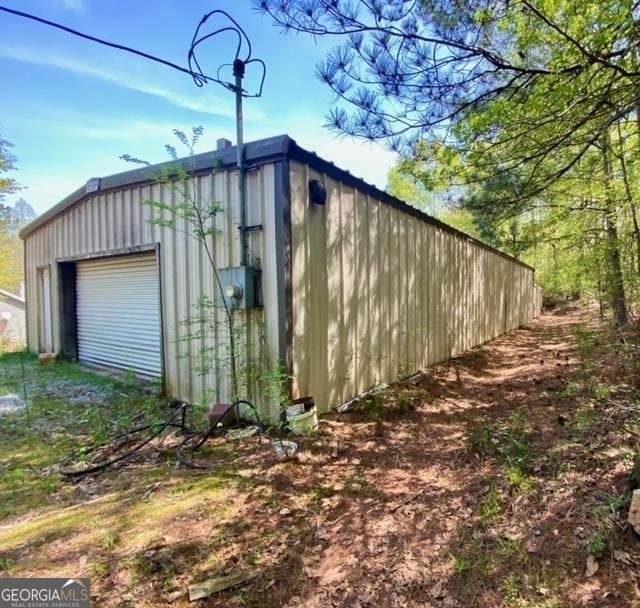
(356,286)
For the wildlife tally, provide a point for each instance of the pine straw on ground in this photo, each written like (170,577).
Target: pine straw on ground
(487,481)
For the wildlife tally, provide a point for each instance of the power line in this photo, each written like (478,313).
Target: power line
(198,76)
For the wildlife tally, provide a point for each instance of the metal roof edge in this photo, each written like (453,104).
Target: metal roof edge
(260,150)
(7,294)
(271,148)
(321,165)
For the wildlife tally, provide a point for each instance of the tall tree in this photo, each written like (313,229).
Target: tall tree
(7,164)
(12,220)
(513,98)
(409,69)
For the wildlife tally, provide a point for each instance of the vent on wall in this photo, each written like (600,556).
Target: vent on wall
(317,192)
(93,185)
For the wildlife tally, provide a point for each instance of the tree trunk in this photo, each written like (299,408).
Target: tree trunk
(618,295)
(600,302)
(632,205)
(636,232)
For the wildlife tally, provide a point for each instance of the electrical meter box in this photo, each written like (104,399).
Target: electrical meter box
(241,287)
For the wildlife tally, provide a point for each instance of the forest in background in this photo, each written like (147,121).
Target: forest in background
(518,121)
(12,219)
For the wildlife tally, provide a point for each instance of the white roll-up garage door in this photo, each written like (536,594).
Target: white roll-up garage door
(118,314)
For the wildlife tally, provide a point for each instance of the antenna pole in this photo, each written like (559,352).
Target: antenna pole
(238,73)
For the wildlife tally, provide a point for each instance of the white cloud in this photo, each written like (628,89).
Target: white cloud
(204,102)
(76,6)
(146,140)
(124,131)
(42,192)
(97,156)
(363,159)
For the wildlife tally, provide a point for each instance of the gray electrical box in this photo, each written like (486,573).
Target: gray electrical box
(241,286)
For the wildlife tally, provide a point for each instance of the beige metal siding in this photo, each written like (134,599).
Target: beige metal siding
(108,222)
(537,301)
(379,293)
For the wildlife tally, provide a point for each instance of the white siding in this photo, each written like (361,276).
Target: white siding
(13,329)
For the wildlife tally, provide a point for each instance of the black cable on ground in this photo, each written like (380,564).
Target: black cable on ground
(183,460)
(169,422)
(107,463)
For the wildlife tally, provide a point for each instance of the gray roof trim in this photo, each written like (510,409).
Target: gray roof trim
(261,150)
(264,150)
(328,168)
(11,296)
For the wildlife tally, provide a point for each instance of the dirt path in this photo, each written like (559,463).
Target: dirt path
(486,483)
(471,496)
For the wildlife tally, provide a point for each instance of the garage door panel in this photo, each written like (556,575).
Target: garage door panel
(118,314)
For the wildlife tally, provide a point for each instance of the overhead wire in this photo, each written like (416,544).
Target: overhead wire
(198,75)
(200,79)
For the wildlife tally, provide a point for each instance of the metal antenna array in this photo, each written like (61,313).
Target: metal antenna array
(239,65)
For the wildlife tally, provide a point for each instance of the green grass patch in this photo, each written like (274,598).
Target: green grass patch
(490,507)
(69,410)
(508,443)
(501,562)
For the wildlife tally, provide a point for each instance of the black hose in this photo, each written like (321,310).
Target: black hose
(179,411)
(121,457)
(212,428)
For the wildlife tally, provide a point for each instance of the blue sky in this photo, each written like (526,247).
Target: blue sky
(72,107)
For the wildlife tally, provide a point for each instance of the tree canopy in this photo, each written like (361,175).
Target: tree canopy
(12,219)
(7,164)
(524,113)
(410,69)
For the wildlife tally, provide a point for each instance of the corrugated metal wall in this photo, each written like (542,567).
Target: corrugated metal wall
(379,293)
(127,335)
(537,299)
(113,220)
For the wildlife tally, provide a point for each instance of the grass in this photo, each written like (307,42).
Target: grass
(605,531)
(113,519)
(7,566)
(527,580)
(508,444)
(485,558)
(69,408)
(584,419)
(490,507)
(498,517)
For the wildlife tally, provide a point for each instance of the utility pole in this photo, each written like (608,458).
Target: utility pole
(238,73)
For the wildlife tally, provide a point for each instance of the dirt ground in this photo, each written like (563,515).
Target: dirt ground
(500,478)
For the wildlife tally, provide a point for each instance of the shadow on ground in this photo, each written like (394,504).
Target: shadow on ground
(485,482)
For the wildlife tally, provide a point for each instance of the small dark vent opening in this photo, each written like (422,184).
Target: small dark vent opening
(317,192)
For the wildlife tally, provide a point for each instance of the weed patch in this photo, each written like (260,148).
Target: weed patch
(490,507)
(507,443)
